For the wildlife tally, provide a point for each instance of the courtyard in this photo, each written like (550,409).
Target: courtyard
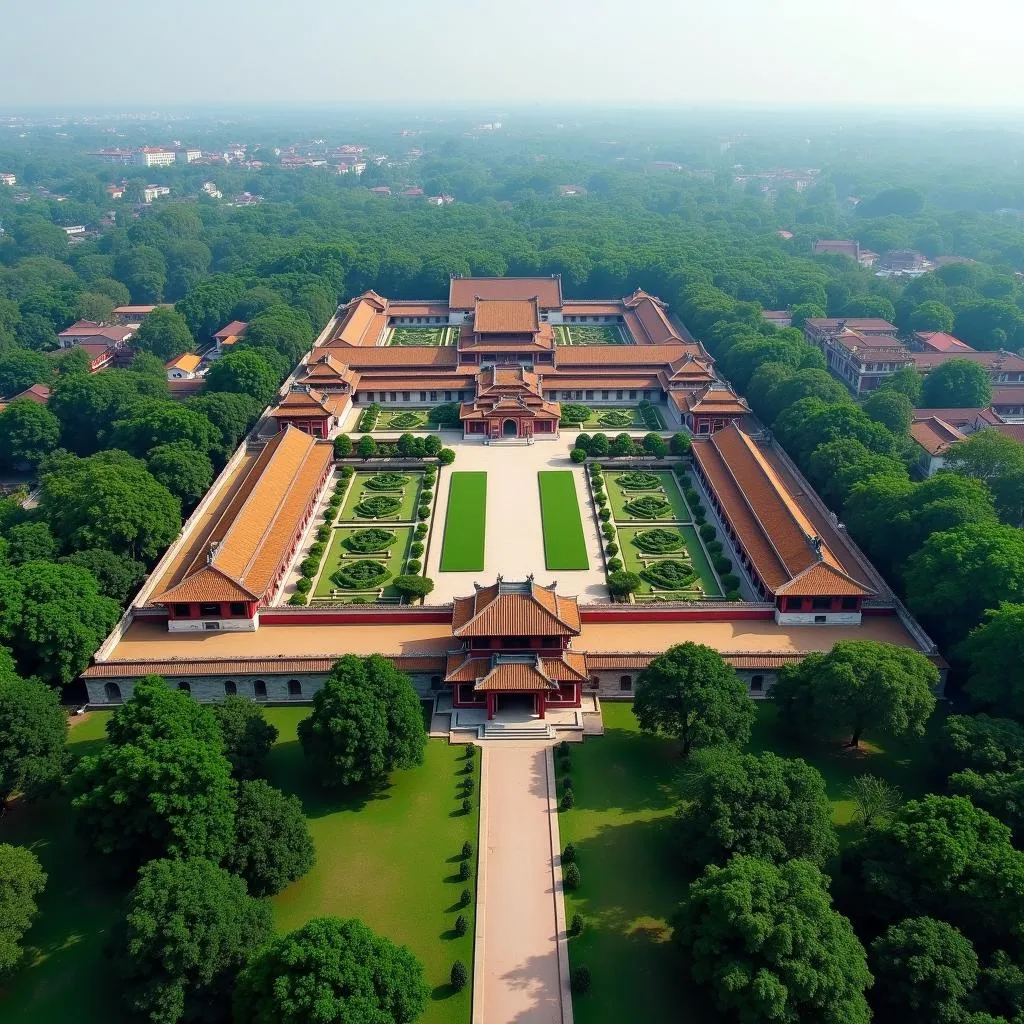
(591,334)
(432,335)
(388,856)
(612,419)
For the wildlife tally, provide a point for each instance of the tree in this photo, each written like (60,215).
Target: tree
(366,721)
(766,942)
(20,369)
(943,857)
(986,455)
(858,685)
(244,372)
(232,414)
(185,470)
(28,431)
(874,799)
(836,468)
(156,712)
(902,202)
(342,446)
(164,333)
(906,381)
(272,845)
(53,617)
(623,583)
(87,405)
(981,742)
(283,329)
(189,928)
(144,270)
(622,445)
(958,573)
(22,881)
(162,423)
(209,304)
(690,693)
(413,586)
(29,542)
(931,316)
(109,500)
(162,798)
(892,410)
(331,970)
(367,447)
(994,651)
(247,736)
(759,805)
(148,365)
(33,730)
(924,970)
(999,793)
(957,384)
(77,360)
(654,445)
(118,577)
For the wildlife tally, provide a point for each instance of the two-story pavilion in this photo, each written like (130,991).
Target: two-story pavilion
(509,403)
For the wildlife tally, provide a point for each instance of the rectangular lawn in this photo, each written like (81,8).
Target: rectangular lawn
(465,523)
(564,544)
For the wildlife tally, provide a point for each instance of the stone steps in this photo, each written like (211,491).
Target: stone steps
(517,731)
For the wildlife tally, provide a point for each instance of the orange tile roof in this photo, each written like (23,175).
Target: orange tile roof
(398,307)
(187,361)
(364,322)
(622,356)
(399,357)
(714,398)
(516,380)
(515,609)
(776,534)
(464,291)
(302,400)
(234,329)
(1005,362)
(256,529)
(325,369)
(543,338)
(940,341)
(515,676)
(654,321)
(591,307)
(507,671)
(554,381)
(506,316)
(935,435)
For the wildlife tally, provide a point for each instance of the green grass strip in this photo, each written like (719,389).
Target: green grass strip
(465,523)
(564,544)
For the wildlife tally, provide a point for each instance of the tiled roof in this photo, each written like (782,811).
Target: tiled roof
(39,393)
(939,341)
(961,417)
(822,579)
(597,381)
(1005,362)
(398,307)
(654,321)
(245,667)
(1014,430)
(622,356)
(714,398)
(1007,396)
(325,369)
(464,291)
(502,379)
(627,662)
(187,361)
(776,534)
(398,357)
(506,316)
(542,338)
(867,324)
(234,329)
(414,382)
(591,307)
(935,435)
(872,345)
(255,531)
(515,609)
(303,400)
(515,676)
(364,321)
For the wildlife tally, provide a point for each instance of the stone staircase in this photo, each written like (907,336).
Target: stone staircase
(509,442)
(533,730)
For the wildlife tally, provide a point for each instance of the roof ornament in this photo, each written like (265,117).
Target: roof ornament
(211,553)
(816,544)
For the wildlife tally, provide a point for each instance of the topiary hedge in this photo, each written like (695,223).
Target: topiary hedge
(377,507)
(730,582)
(368,541)
(309,566)
(404,420)
(414,565)
(722,566)
(658,541)
(614,564)
(648,507)
(616,418)
(387,482)
(362,575)
(416,549)
(638,481)
(707,532)
(670,574)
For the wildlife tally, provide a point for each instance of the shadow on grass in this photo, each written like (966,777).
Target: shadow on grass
(442,992)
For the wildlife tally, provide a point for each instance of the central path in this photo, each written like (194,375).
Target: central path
(521,969)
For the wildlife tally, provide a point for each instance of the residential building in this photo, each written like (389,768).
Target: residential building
(938,341)
(183,367)
(934,437)
(115,191)
(778,317)
(74,229)
(1004,368)
(229,334)
(154,156)
(187,154)
(82,331)
(863,361)
(151,192)
(818,330)
(900,262)
(8,179)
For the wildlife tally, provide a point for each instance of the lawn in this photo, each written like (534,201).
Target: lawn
(387,856)
(564,545)
(668,489)
(590,334)
(465,523)
(622,828)
(403,419)
(395,557)
(633,561)
(431,336)
(408,495)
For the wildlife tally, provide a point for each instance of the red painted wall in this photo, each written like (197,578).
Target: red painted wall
(631,613)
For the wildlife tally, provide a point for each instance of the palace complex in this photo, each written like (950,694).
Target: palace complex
(222,612)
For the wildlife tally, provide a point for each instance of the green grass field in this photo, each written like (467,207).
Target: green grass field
(358,491)
(336,552)
(431,336)
(564,544)
(388,856)
(465,523)
(404,417)
(618,498)
(625,786)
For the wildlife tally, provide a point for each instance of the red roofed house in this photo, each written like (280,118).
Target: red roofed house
(939,341)
(934,438)
(515,649)
(229,334)
(311,411)
(509,403)
(101,342)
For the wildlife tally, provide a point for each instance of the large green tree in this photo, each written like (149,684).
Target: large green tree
(761,805)
(366,721)
(160,423)
(156,712)
(331,970)
(980,742)
(28,431)
(957,384)
(20,369)
(118,577)
(185,470)
(247,735)
(691,694)
(858,685)
(999,793)
(22,881)
(232,414)
(766,943)
(189,928)
(891,409)
(994,651)
(33,730)
(165,333)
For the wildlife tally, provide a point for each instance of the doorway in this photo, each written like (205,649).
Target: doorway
(510,429)
(517,705)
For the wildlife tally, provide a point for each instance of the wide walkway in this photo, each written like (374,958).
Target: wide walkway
(521,969)
(514,539)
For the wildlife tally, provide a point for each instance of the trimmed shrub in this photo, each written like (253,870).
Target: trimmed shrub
(365,574)
(427,494)
(669,574)
(572,876)
(377,507)
(461,925)
(466,806)
(583,441)
(638,481)
(733,595)
(420,531)
(323,533)
(569,854)
(658,541)
(608,530)
(567,782)
(714,548)
(468,785)
(707,532)
(700,519)
(595,467)
(604,515)
(465,898)
(414,565)
(692,497)
(386,482)
(309,567)
(342,446)
(423,512)
(467,849)
(648,507)
(568,800)
(622,583)
(600,500)
(679,444)
(578,455)
(722,565)
(576,925)
(416,548)
(730,582)
(614,564)
(612,548)
(413,586)
(297,599)
(464,872)
(370,540)
(302,585)
(699,509)
(459,976)
(580,980)
(446,456)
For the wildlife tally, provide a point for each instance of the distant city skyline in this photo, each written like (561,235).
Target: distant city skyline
(899,53)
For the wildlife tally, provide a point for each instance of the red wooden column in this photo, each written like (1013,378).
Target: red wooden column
(541,704)
(491,701)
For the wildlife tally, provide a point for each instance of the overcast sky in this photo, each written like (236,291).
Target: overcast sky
(73,53)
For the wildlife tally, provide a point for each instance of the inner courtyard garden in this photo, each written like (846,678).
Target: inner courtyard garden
(429,335)
(590,334)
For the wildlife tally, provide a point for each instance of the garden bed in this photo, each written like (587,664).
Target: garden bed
(342,554)
(428,336)
(363,500)
(564,544)
(620,498)
(590,334)
(701,582)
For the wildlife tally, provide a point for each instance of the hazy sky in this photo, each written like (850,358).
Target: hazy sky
(72,53)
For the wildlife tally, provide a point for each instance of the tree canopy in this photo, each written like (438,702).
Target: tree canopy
(33,731)
(958,384)
(22,881)
(247,735)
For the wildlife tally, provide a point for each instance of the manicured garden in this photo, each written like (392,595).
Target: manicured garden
(465,524)
(428,335)
(627,491)
(383,496)
(621,824)
(641,552)
(612,419)
(403,419)
(590,334)
(388,547)
(389,855)
(564,544)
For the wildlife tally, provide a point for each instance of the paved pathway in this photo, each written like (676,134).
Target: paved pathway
(521,960)
(514,540)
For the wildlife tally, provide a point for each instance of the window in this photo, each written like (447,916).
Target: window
(237,607)
(849,604)
(183,609)
(423,396)
(433,396)
(394,396)
(632,394)
(604,396)
(447,396)
(185,686)
(259,689)
(405,396)
(590,395)
(794,604)
(435,682)
(209,608)
(112,692)
(211,625)
(821,603)
(625,682)
(230,689)
(820,620)
(756,684)
(294,688)
(618,395)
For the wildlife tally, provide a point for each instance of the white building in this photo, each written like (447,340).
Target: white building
(154,156)
(151,192)
(184,155)
(8,179)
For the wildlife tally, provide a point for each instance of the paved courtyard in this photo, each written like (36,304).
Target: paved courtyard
(514,544)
